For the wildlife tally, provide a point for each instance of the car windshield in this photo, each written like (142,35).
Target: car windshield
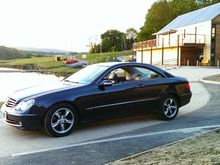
(86,75)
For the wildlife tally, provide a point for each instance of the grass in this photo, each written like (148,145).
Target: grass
(40,62)
(45,64)
(1,103)
(203,149)
(48,65)
(103,57)
(64,70)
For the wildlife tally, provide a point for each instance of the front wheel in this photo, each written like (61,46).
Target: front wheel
(60,120)
(169,108)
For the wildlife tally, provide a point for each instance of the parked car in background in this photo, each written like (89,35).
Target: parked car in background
(126,58)
(70,61)
(99,91)
(79,64)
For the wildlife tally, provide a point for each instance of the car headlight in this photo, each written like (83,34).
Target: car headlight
(25,105)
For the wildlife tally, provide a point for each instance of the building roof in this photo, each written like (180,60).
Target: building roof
(197,16)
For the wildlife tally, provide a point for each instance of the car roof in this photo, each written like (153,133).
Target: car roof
(124,64)
(108,64)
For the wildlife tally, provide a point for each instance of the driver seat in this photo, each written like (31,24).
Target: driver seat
(113,77)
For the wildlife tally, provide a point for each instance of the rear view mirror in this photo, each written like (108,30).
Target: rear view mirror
(105,83)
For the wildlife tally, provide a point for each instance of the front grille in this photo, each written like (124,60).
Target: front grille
(10,102)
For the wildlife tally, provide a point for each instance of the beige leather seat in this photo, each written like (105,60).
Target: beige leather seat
(113,77)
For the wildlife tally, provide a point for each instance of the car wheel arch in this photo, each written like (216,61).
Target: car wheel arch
(172,93)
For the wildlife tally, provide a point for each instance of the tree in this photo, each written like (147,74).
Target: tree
(179,7)
(131,35)
(10,53)
(158,16)
(113,40)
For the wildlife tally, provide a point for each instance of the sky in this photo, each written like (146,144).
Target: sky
(66,24)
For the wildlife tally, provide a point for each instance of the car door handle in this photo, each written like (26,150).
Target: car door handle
(140,85)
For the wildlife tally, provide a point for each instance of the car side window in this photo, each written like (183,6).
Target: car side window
(117,76)
(129,74)
(145,74)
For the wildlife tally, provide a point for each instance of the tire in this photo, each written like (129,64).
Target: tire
(60,120)
(169,107)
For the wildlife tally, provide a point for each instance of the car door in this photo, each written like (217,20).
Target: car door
(151,86)
(113,100)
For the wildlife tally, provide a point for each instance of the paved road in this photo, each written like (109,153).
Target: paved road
(103,142)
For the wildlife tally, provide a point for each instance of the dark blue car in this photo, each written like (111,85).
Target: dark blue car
(99,91)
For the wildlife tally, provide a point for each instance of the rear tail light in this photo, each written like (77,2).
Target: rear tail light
(188,86)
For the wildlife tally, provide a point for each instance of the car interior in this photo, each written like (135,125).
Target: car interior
(127,74)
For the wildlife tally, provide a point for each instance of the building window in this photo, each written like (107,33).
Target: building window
(213,31)
(213,42)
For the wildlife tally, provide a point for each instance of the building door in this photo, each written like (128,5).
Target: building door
(190,55)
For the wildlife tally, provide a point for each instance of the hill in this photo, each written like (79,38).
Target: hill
(10,53)
(7,53)
(44,50)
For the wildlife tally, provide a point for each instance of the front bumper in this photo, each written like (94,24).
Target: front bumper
(22,121)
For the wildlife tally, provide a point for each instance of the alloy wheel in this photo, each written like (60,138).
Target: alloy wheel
(62,120)
(170,107)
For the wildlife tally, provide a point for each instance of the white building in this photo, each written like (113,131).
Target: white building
(185,40)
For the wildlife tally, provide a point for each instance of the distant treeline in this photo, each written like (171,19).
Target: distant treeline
(12,53)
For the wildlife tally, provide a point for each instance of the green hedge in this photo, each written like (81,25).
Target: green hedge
(103,57)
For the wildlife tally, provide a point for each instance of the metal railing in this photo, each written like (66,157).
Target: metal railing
(145,44)
(178,40)
(192,39)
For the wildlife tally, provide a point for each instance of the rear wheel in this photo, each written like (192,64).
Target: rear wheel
(169,108)
(60,120)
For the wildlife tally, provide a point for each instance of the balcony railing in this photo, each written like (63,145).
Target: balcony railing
(145,44)
(192,39)
(178,40)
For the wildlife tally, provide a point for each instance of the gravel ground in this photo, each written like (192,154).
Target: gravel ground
(203,149)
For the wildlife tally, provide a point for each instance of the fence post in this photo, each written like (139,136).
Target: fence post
(142,51)
(151,52)
(178,48)
(197,63)
(187,62)
(162,50)
(218,63)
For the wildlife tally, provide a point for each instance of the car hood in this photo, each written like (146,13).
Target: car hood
(43,89)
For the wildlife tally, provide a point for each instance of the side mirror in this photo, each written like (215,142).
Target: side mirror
(105,83)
